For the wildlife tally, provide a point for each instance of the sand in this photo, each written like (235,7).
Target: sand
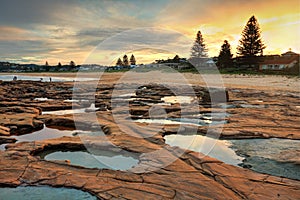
(261,82)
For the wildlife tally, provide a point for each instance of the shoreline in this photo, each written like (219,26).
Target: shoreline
(259,82)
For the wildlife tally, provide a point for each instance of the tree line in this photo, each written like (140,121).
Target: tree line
(72,64)
(250,46)
(125,62)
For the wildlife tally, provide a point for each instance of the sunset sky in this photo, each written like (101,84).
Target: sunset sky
(34,31)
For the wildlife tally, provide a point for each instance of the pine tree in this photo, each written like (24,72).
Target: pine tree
(125,60)
(225,56)
(72,63)
(47,67)
(199,48)
(132,60)
(176,59)
(59,64)
(251,43)
(119,62)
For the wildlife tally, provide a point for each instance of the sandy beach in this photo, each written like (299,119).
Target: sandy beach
(262,82)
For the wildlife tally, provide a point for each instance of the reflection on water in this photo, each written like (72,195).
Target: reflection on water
(43,99)
(187,121)
(163,121)
(75,100)
(211,116)
(251,106)
(45,133)
(224,106)
(2,147)
(43,192)
(89,133)
(95,158)
(44,78)
(64,112)
(50,133)
(279,157)
(215,148)
(178,99)
(70,111)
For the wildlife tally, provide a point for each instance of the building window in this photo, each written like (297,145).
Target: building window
(270,67)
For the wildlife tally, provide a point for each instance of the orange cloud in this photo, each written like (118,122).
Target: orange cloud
(279,22)
(13,33)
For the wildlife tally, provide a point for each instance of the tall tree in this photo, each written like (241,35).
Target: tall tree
(251,43)
(225,56)
(132,60)
(199,48)
(119,62)
(59,64)
(72,63)
(176,59)
(125,60)
(47,67)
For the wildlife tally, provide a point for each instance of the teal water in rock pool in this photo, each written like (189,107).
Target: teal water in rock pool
(100,159)
(43,193)
(278,157)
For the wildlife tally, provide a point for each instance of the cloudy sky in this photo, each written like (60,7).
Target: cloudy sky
(100,31)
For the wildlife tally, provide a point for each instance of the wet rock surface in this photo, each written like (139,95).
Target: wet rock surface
(163,172)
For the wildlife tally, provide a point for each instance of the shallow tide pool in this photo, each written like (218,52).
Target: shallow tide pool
(100,159)
(183,121)
(178,99)
(279,157)
(219,149)
(43,192)
(69,111)
(45,133)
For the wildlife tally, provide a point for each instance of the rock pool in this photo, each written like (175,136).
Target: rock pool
(45,133)
(279,157)
(43,192)
(93,158)
(219,149)
(70,111)
(186,121)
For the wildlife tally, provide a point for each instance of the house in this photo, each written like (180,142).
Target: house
(275,62)
(290,54)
